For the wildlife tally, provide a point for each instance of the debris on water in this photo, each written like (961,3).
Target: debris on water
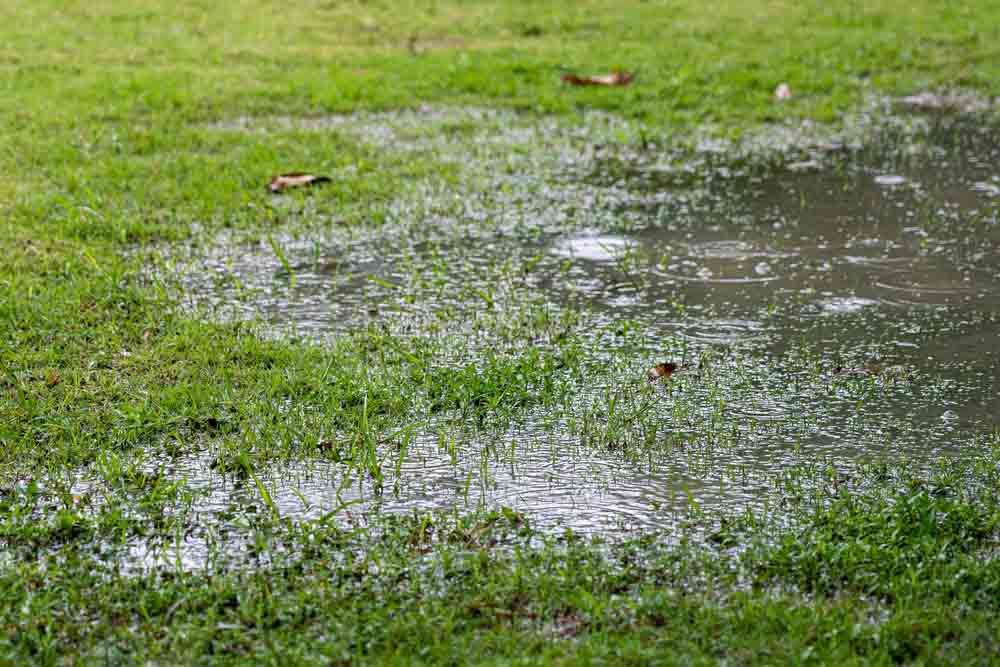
(295,179)
(782,92)
(616,78)
(662,371)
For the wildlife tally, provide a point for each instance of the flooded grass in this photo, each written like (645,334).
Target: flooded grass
(504,363)
(674,372)
(814,312)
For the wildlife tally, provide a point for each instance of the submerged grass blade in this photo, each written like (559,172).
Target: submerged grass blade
(265,495)
(338,509)
(280,254)
(383,283)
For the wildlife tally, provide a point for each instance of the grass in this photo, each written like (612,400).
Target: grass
(112,159)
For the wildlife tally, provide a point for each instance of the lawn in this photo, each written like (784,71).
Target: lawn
(111,114)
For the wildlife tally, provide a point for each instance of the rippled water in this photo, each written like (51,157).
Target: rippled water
(839,308)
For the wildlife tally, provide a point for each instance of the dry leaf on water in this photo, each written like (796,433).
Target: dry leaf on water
(616,78)
(662,371)
(296,179)
(782,92)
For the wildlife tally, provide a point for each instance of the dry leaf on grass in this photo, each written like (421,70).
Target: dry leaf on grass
(616,78)
(296,179)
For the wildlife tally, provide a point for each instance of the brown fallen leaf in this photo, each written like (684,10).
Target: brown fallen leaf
(837,482)
(52,377)
(616,78)
(662,371)
(295,179)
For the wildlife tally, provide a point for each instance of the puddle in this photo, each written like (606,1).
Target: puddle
(767,282)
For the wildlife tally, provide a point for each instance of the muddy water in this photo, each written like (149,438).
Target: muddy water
(843,306)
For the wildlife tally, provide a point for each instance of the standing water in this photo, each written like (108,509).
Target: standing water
(840,307)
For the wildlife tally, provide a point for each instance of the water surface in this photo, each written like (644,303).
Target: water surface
(841,306)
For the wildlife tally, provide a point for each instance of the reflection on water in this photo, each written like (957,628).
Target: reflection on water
(594,248)
(776,280)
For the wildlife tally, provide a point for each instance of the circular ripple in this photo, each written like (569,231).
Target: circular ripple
(721,330)
(728,262)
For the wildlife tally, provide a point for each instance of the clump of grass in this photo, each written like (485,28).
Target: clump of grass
(496,384)
(906,549)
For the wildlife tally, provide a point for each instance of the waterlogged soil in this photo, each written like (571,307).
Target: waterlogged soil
(829,308)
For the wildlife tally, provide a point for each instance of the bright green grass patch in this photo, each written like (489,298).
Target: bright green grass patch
(693,61)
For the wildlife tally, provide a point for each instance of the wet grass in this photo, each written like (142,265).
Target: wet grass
(907,577)
(117,150)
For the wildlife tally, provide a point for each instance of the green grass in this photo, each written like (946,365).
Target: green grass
(108,151)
